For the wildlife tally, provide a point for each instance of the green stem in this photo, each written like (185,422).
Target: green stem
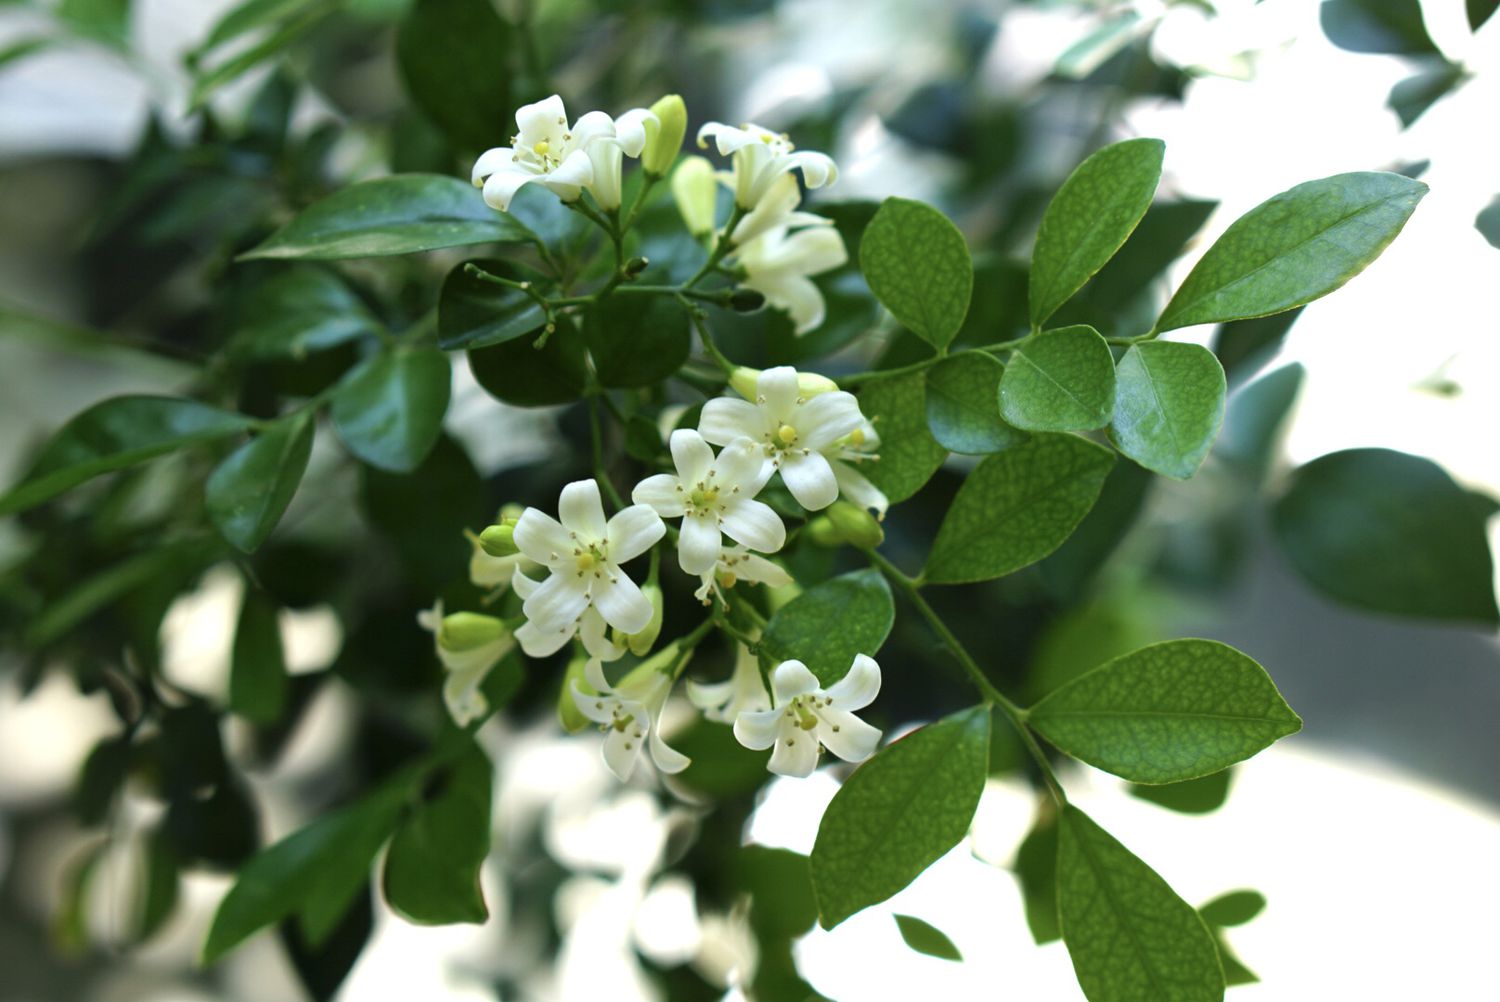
(700,323)
(648,182)
(872,375)
(597,434)
(722,247)
(1014,713)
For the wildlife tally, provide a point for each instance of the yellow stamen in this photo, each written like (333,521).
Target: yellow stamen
(541,148)
(787,434)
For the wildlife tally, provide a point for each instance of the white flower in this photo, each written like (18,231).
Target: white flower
(777,209)
(486,571)
(744,691)
(806,716)
(469,645)
(584,554)
(739,564)
(777,265)
(605,154)
(761,156)
(793,430)
(858,447)
(630,713)
(713,495)
(545,150)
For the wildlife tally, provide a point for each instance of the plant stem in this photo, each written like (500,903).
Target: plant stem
(597,435)
(700,323)
(721,248)
(648,181)
(872,375)
(1015,713)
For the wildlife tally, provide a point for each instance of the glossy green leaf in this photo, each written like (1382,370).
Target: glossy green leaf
(909,455)
(474,313)
(116,433)
(1035,867)
(1166,713)
(314,872)
(520,374)
(296,312)
(1293,248)
(258,682)
(1016,507)
(452,56)
(249,491)
(391,215)
(927,938)
(1390,27)
(831,622)
(637,341)
(1388,532)
(1410,98)
(248,16)
(963,409)
(1169,404)
(899,812)
(1234,908)
(389,411)
(299,19)
(432,866)
(1488,222)
(1132,939)
(1203,795)
(1060,380)
(917,264)
(1088,219)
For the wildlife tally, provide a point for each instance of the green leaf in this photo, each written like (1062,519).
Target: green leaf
(474,313)
(300,20)
(258,682)
(1480,11)
(1243,346)
(899,812)
(1088,219)
(106,21)
(249,491)
(963,409)
(157,895)
(637,341)
(391,215)
(389,411)
(1166,713)
(1390,533)
(918,266)
(828,624)
(520,374)
(1234,908)
(1169,404)
(248,16)
(1016,507)
(1203,795)
(1390,27)
(296,312)
(1411,97)
(1132,939)
(112,584)
(927,938)
(315,871)
(116,433)
(432,867)
(1297,246)
(1035,868)
(452,56)
(1488,222)
(909,455)
(1257,415)
(1060,380)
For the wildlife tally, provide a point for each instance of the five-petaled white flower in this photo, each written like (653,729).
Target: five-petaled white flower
(630,714)
(778,264)
(761,156)
(712,495)
(743,692)
(776,210)
(736,564)
(807,716)
(469,645)
(545,150)
(584,554)
(793,430)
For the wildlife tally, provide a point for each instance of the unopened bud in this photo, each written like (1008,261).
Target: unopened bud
(745,300)
(855,524)
(568,714)
(499,540)
(696,191)
(640,642)
(635,266)
(745,380)
(663,143)
(467,631)
(661,661)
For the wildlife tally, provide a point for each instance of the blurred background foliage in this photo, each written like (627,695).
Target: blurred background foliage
(117,272)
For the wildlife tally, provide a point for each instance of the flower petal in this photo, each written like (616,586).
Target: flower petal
(663,492)
(630,130)
(667,759)
(632,531)
(859,686)
(699,544)
(828,417)
(539,643)
(757,729)
(557,601)
(503,185)
(581,510)
(778,388)
(726,138)
(540,120)
(854,486)
(523,585)
(691,455)
(599,709)
(817,169)
(622,750)
(591,630)
(461,695)
(792,679)
(621,602)
(759,570)
(709,695)
(725,419)
(490,162)
(853,740)
(796,755)
(576,170)
(810,479)
(542,538)
(754,524)
(743,464)
(592,126)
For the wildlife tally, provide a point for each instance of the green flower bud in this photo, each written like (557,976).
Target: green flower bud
(635,266)
(568,714)
(744,381)
(658,662)
(696,192)
(855,524)
(664,142)
(822,532)
(467,631)
(640,643)
(499,540)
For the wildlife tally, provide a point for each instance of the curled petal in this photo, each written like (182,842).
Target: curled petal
(847,736)
(591,630)
(593,674)
(462,696)
(667,759)
(754,524)
(621,602)
(859,686)
(523,585)
(709,695)
(857,488)
(792,679)
(759,570)
(599,709)
(630,130)
(577,169)
(817,169)
(796,754)
(539,643)
(810,479)
(591,127)
(726,138)
(691,455)
(757,729)
(490,162)
(798,296)
(503,185)
(633,531)
(662,492)
(581,510)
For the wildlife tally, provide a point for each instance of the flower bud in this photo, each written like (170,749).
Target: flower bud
(658,662)
(745,380)
(696,191)
(746,300)
(640,643)
(568,713)
(855,524)
(467,631)
(499,540)
(635,266)
(664,142)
